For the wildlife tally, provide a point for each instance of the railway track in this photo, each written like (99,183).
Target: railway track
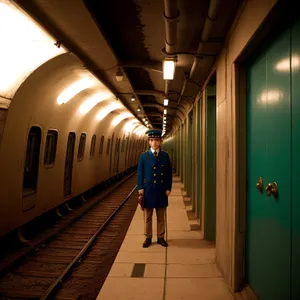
(74,263)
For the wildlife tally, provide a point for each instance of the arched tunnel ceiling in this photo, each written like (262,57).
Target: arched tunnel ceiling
(131,34)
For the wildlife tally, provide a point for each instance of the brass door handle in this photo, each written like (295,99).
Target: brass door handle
(259,184)
(272,188)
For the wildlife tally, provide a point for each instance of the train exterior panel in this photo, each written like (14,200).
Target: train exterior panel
(79,162)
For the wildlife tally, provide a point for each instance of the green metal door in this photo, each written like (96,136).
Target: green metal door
(268,231)
(295,62)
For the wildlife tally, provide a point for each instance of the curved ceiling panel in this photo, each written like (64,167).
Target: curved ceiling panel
(121,117)
(93,100)
(26,46)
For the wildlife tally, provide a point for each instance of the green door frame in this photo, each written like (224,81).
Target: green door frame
(189,155)
(199,161)
(210,165)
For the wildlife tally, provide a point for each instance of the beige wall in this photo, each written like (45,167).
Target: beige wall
(249,18)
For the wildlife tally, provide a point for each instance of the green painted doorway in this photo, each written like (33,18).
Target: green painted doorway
(273,144)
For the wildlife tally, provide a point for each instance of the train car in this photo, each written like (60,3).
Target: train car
(62,131)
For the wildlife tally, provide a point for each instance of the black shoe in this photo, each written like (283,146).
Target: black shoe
(162,242)
(147,243)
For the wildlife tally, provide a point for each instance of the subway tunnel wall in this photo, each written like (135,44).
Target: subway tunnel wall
(230,213)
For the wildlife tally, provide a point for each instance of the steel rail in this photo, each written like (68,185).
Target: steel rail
(56,232)
(63,274)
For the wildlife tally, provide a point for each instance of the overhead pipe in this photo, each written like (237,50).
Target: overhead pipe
(157,105)
(150,92)
(154,114)
(161,107)
(149,64)
(167,85)
(181,110)
(171,16)
(210,19)
(156,93)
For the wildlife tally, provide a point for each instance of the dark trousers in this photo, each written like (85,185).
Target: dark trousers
(161,221)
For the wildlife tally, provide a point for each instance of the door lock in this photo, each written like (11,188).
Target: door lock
(272,188)
(259,184)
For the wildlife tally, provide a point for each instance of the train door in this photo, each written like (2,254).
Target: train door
(269,163)
(69,164)
(31,168)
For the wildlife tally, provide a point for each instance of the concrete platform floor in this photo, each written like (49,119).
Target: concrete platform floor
(186,270)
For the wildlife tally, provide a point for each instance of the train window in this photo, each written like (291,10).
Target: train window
(108,146)
(31,167)
(81,147)
(101,145)
(50,148)
(93,144)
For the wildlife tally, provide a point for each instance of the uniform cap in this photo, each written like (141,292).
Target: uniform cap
(154,133)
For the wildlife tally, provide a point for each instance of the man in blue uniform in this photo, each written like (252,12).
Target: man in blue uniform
(155,183)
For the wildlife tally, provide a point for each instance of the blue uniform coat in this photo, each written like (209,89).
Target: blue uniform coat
(155,177)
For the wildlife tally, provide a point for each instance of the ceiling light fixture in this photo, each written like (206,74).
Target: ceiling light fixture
(132,98)
(169,69)
(119,75)
(166,102)
(165,111)
(138,109)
